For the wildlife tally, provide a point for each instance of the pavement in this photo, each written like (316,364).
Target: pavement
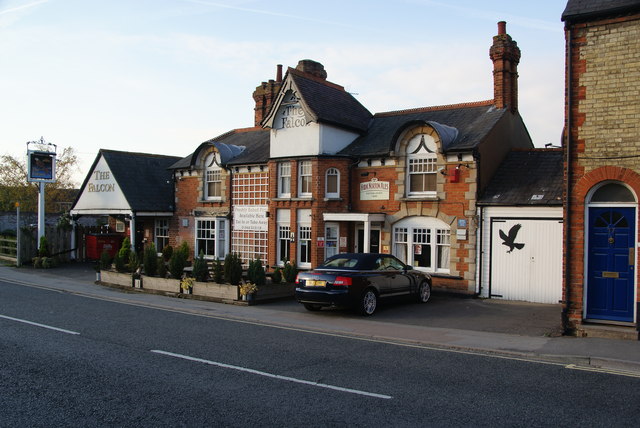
(528,331)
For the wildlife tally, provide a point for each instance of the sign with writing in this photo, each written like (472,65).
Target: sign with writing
(250,217)
(374,190)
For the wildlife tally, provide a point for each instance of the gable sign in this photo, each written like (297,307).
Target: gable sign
(102,190)
(290,114)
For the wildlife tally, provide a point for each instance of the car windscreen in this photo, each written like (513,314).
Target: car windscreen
(349,263)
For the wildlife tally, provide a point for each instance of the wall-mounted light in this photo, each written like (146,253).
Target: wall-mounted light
(292,236)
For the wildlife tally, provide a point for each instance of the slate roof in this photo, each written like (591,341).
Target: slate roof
(330,103)
(577,10)
(256,142)
(526,177)
(144,179)
(473,121)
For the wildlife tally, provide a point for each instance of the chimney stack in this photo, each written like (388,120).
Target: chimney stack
(505,55)
(265,95)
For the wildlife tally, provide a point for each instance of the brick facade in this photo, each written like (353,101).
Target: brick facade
(602,145)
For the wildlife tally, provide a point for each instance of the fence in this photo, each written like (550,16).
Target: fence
(59,241)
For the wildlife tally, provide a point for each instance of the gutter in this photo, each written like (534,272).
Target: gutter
(567,218)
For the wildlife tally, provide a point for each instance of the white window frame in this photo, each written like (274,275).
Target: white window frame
(283,222)
(331,240)
(422,162)
(303,239)
(219,234)
(414,234)
(212,175)
(305,179)
(284,179)
(332,172)
(161,232)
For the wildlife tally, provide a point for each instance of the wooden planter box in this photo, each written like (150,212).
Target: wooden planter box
(215,290)
(116,278)
(161,284)
(273,291)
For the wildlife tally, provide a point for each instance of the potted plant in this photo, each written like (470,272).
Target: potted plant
(186,284)
(247,289)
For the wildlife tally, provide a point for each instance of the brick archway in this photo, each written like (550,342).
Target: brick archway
(578,230)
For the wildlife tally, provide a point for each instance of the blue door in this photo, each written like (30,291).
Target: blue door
(611,264)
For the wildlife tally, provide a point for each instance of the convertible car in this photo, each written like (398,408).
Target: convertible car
(359,280)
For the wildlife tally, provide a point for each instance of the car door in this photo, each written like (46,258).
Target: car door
(398,282)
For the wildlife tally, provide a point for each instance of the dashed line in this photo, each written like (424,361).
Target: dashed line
(271,375)
(61,330)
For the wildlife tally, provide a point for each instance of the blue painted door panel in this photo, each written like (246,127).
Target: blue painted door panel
(611,264)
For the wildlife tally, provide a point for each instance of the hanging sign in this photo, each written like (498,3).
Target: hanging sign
(41,166)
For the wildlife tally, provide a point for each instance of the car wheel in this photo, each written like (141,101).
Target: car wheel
(424,292)
(311,307)
(368,302)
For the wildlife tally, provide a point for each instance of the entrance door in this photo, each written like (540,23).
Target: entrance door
(374,241)
(611,262)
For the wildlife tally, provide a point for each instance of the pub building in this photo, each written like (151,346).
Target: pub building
(318,174)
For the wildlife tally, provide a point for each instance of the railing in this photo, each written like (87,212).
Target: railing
(9,249)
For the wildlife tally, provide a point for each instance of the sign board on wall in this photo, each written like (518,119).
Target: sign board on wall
(374,190)
(250,217)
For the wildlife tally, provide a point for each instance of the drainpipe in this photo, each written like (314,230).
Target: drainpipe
(567,217)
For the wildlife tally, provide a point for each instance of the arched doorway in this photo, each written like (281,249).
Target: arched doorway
(611,253)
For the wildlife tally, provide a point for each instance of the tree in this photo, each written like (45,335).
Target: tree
(15,188)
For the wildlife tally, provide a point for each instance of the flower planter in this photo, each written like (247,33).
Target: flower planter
(215,290)
(161,284)
(116,278)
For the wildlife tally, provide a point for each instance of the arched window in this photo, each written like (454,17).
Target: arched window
(423,242)
(422,166)
(212,177)
(612,192)
(332,180)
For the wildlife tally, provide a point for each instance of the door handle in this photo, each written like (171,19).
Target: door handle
(632,256)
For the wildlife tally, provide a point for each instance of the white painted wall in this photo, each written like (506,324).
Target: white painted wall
(102,191)
(333,139)
(310,140)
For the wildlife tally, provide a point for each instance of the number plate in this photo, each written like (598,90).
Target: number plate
(315,283)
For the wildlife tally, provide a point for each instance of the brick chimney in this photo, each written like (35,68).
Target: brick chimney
(312,67)
(265,95)
(505,55)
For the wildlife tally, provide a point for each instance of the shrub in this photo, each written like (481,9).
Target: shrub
(150,260)
(105,260)
(162,268)
(290,272)
(167,252)
(134,261)
(125,249)
(218,272)
(232,269)
(276,278)
(200,270)
(256,273)
(178,260)
(43,249)
(121,263)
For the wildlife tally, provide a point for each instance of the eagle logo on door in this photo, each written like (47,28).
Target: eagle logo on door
(510,239)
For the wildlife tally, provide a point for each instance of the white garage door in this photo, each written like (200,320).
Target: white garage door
(526,260)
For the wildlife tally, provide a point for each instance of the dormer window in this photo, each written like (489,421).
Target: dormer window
(422,166)
(332,183)
(304,179)
(212,178)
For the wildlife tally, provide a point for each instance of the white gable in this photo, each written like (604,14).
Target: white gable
(101,194)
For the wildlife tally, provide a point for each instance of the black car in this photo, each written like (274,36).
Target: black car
(359,280)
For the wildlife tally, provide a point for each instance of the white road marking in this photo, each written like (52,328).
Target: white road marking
(274,376)
(61,330)
(603,370)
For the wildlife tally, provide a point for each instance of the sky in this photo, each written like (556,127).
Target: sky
(162,76)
